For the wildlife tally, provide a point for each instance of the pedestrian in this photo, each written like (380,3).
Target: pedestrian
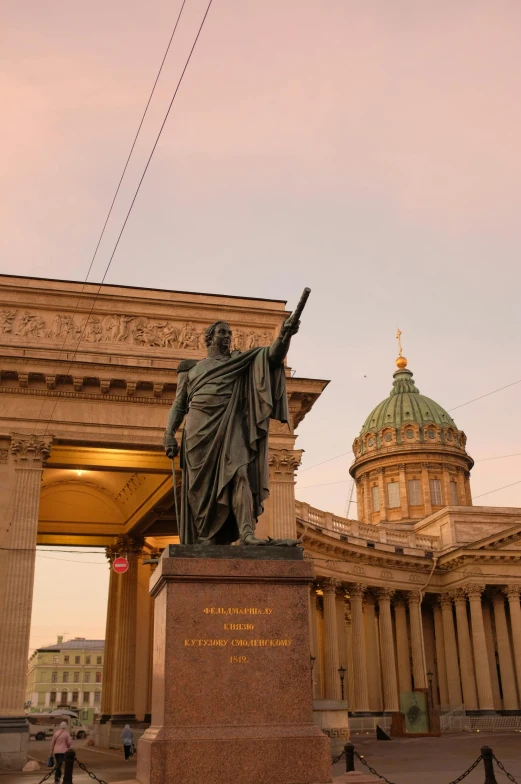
(127,742)
(61,742)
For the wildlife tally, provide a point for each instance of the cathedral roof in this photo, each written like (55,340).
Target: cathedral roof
(407,419)
(405,404)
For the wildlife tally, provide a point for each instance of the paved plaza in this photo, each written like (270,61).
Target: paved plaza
(437,760)
(402,761)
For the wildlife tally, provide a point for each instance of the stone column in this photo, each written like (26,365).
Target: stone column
(123,706)
(368,501)
(331,676)
(402,645)
(28,453)
(485,696)
(360,498)
(341,631)
(441,666)
(426,489)
(350,675)
(319,664)
(468,680)
(506,666)
(313,644)
(390,686)
(446,485)
(451,652)
(418,656)
(371,647)
(462,495)
(468,493)
(283,464)
(404,501)
(110,640)
(491,653)
(144,614)
(512,594)
(358,647)
(383,495)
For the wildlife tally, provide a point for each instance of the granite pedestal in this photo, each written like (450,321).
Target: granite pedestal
(231,695)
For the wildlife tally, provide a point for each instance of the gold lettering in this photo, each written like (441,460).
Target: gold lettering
(238,610)
(238,627)
(238,659)
(206,643)
(261,643)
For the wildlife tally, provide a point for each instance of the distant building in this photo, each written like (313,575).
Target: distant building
(67,675)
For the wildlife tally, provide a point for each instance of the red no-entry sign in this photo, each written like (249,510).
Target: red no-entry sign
(120,565)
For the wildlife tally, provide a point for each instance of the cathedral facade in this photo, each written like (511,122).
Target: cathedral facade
(421,592)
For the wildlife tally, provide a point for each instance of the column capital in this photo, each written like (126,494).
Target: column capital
(459,596)
(384,594)
(445,600)
(285,461)
(512,591)
(401,466)
(330,586)
(357,589)
(413,598)
(125,544)
(474,591)
(30,451)
(424,465)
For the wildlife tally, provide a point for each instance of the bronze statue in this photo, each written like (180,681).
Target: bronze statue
(228,399)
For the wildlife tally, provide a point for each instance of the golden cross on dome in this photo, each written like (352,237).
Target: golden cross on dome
(399,339)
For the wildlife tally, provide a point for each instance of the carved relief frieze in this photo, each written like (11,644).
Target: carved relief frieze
(121,328)
(4,454)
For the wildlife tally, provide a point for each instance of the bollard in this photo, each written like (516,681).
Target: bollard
(68,765)
(350,757)
(488,762)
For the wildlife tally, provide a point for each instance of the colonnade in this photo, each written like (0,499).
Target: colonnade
(464,644)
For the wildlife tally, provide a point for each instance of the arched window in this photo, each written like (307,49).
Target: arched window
(52,699)
(64,698)
(75,697)
(97,697)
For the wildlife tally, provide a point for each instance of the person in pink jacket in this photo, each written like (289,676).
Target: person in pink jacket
(61,741)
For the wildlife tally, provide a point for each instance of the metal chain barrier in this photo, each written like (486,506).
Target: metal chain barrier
(469,770)
(48,775)
(337,759)
(370,769)
(92,775)
(502,767)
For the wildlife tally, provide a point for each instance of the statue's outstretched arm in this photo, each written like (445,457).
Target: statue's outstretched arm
(290,327)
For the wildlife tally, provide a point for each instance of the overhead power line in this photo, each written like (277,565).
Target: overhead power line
(486,395)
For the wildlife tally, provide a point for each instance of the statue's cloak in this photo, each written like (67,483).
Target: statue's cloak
(229,409)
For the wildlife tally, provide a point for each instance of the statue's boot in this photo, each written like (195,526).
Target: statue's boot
(248,537)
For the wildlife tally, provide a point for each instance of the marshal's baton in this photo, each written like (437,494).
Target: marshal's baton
(295,316)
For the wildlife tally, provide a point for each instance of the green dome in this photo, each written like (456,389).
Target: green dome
(405,406)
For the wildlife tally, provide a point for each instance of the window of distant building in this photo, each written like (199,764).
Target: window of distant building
(52,698)
(415,493)
(98,659)
(64,697)
(55,659)
(76,660)
(375,495)
(97,697)
(65,659)
(393,492)
(65,677)
(454,494)
(436,492)
(54,677)
(86,677)
(87,659)
(76,677)
(75,697)
(86,695)
(98,677)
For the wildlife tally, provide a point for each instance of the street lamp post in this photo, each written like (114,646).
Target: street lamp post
(342,673)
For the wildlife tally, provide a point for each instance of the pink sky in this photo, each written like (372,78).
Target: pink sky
(367,149)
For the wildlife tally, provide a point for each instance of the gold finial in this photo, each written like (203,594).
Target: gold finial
(401,361)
